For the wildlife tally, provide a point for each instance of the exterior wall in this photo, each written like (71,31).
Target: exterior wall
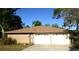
(21,38)
(54,39)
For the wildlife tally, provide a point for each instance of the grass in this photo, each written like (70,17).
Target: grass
(12,47)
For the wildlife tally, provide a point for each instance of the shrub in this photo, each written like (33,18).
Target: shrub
(22,44)
(1,42)
(74,36)
(0,34)
(8,41)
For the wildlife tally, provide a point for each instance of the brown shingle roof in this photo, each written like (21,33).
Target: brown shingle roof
(39,29)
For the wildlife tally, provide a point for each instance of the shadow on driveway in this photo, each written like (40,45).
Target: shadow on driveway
(74,49)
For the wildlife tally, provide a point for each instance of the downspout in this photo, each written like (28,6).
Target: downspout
(30,39)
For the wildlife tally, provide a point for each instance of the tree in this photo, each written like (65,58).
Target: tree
(3,14)
(23,25)
(9,20)
(36,23)
(2,31)
(47,24)
(27,26)
(55,25)
(14,23)
(71,16)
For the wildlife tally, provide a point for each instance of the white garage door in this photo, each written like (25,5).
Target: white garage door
(41,39)
(58,39)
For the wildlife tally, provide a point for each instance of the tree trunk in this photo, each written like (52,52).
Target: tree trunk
(2,30)
(77,27)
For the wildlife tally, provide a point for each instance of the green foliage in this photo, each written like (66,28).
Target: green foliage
(74,36)
(8,41)
(36,23)
(70,15)
(14,23)
(0,33)
(27,26)
(47,24)
(57,12)
(55,25)
(9,20)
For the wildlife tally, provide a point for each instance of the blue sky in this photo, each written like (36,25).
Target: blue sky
(42,14)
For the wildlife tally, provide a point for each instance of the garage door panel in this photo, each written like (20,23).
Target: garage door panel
(60,39)
(41,39)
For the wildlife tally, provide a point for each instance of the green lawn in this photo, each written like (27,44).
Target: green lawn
(12,47)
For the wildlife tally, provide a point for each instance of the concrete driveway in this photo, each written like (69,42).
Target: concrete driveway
(47,48)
